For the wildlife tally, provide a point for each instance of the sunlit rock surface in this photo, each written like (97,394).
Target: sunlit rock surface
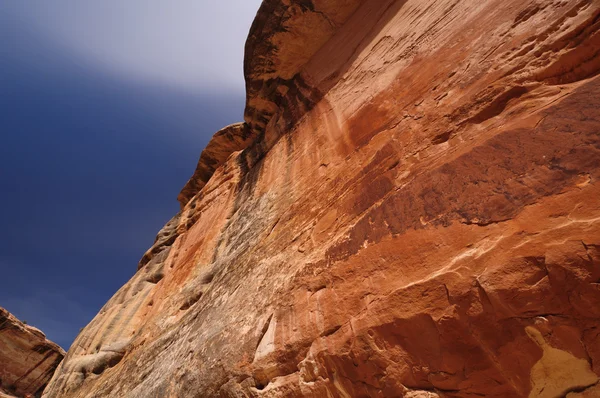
(413,209)
(27,358)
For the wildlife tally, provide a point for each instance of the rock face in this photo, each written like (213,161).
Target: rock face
(27,359)
(412,209)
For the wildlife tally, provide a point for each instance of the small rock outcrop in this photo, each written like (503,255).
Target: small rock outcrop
(411,209)
(225,142)
(27,359)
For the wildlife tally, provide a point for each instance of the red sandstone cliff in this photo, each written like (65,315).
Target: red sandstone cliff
(411,209)
(27,358)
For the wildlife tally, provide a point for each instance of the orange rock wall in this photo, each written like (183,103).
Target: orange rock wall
(417,213)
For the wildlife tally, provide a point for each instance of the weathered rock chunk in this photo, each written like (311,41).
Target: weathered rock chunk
(27,359)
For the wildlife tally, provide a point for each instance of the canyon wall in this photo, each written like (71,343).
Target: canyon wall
(27,359)
(411,209)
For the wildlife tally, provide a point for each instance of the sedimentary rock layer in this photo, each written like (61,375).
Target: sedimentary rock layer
(27,359)
(415,212)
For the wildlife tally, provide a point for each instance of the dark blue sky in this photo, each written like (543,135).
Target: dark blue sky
(90,166)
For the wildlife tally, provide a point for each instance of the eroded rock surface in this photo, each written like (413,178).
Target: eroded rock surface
(27,359)
(226,141)
(415,211)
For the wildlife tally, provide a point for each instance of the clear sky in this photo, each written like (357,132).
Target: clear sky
(105,107)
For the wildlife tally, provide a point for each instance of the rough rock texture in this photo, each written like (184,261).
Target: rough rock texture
(226,141)
(417,214)
(27,359)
